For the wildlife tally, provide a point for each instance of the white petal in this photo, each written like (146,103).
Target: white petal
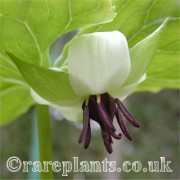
(71,111)
(122,92)
(38,98)
(98,62)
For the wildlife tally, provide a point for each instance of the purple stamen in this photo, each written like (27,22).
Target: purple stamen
(107,141)
(85,123)
(103,113)
(119,136)
(126,113)
(87,137)
(122,125)
(105,117)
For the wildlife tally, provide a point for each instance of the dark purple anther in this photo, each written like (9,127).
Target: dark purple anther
(126,113)
(122,125)
(103,112)
(86,121)
(105,117)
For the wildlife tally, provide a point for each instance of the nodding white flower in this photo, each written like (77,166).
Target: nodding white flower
(98,67)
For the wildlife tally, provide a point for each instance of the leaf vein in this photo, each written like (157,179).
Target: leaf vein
(12,88)
(14,81)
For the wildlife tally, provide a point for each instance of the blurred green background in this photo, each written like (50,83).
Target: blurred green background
(158,137)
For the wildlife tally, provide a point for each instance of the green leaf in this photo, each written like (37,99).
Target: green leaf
(142,54)
(139,18)
(14,100)
(164,72)
(52,85)
(14,93)
(28,28)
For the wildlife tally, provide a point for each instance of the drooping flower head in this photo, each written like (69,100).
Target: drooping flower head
(98,65)
(99,74)
(98,68)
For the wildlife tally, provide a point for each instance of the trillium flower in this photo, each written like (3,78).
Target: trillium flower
(100,74)
(98,66)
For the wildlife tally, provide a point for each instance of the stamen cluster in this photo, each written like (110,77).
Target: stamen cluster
(103,110)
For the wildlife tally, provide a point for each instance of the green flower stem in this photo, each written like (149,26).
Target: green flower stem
(44,138)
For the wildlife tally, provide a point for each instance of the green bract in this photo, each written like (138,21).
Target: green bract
(97,63)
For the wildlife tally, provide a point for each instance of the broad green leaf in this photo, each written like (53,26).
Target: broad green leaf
(142,54)
(28,28)
(14,93)
(52,85)
(165,70)
(139,18)
(14,100)
(136,19)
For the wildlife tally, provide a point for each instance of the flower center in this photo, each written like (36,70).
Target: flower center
(103,109)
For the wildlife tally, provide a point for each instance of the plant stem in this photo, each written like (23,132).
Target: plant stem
(44,138)
(34,151)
